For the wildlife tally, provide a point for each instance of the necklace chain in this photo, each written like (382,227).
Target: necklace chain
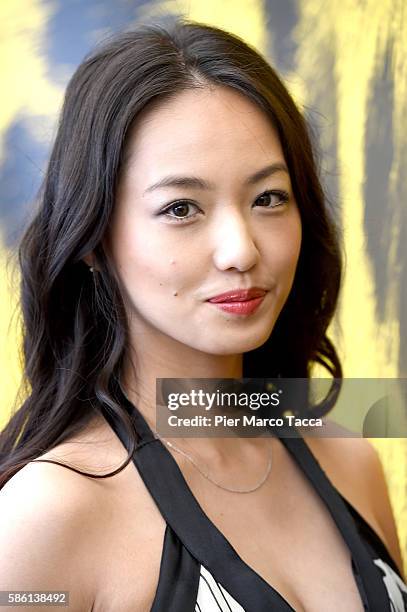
(206,475)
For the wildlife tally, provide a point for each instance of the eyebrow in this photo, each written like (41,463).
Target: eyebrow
(194,182)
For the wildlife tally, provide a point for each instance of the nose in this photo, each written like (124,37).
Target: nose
(235,245)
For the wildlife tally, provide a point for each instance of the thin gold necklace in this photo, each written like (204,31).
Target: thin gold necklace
(206,475)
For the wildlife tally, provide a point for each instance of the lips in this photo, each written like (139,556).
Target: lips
(238,295)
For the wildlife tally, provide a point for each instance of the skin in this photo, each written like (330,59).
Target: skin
(233,237)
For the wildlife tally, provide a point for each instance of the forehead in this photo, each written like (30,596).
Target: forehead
(210,128)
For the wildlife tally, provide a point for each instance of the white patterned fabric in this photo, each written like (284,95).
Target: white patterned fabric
(213,597)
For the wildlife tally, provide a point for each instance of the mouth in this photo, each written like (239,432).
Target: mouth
(239,302)
(238,295)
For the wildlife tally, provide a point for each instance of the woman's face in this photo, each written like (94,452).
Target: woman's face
(204,206)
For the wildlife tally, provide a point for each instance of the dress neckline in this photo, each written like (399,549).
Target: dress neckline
(183,513)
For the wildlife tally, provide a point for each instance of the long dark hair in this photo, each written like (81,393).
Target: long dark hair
(74,323)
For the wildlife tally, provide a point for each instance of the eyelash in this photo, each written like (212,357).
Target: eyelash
(284,197)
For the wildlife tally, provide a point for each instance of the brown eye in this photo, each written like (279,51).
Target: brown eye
(272,199)
(180,210)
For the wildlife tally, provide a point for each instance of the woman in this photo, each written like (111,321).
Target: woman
(182,170)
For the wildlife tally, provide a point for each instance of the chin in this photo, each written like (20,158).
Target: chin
(236,345)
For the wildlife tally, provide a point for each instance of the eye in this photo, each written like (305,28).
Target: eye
(273,199)
(179,210)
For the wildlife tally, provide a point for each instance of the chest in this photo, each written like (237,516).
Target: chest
(284,532)
(287,535)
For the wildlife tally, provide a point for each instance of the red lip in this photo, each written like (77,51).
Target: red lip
(238,295)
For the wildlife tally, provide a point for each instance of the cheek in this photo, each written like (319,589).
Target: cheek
(149,264)
(283,249)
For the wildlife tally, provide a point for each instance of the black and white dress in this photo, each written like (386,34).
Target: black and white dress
(201,572)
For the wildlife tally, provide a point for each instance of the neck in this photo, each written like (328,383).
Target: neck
(142,368)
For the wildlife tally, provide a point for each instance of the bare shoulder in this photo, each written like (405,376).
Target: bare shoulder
(59,527)
(43,512)
(354,467)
